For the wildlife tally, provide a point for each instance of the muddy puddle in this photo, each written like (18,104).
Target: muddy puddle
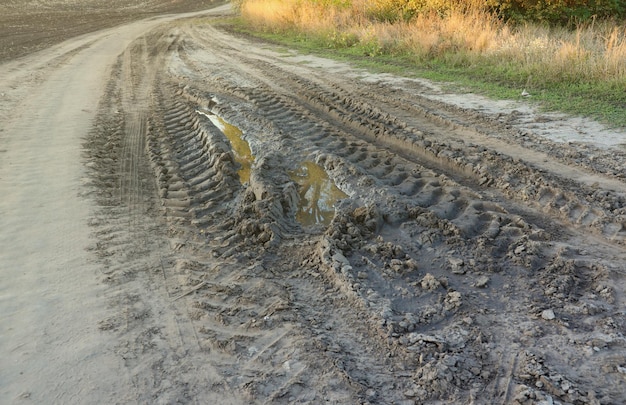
(318,194)
(241,148)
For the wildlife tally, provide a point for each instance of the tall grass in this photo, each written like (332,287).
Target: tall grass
(306,16)
(462,33)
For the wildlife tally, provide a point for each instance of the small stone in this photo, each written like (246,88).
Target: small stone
(550,290)
(482,282)
(548,315)
(452,300)
(457,265)
(410,264)
(430,283)
(396,265)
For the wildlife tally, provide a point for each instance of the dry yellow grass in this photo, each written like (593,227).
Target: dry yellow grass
(310,17)
(443,28)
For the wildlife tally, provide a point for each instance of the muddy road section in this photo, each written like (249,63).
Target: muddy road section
(329,237)
(277,229)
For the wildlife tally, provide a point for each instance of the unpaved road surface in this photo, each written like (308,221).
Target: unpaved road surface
(193,217)
(30,25)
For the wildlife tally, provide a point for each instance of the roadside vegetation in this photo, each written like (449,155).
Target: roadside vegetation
(569,55)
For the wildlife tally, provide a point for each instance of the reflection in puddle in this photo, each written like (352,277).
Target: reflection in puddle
(318,194)
(241,148)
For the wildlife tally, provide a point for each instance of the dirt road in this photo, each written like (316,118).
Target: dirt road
(209,219)
(27,26)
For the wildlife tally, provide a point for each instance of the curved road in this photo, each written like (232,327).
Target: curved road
(385,245)
(51,296)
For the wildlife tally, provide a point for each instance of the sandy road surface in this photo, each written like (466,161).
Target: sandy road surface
(51,296)
(30,25)
(249,225)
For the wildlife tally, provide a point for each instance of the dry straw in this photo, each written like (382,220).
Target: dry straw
(441,28)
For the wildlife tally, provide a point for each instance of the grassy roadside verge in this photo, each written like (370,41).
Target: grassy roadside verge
(603,99)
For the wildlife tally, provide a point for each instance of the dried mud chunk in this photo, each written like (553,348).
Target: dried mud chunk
(530,366)
(423,339)
(482,282)
(548,314)
(349,230)
(430,283)
(452,300)
(432,314)
(449,360)
(551,386)
(410,264)
(524,252)
(390,251)
(605,292)
(456,265)
(572,281)
(368,218)
(396,265)
(524,395)
(264,237)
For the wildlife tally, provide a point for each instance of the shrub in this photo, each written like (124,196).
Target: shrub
(558,12)
(392,11)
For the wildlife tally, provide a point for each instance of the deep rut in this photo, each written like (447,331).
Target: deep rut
(455,265)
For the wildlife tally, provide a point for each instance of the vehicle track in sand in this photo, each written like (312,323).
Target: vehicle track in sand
(469,261)
(53,323)
(462,261)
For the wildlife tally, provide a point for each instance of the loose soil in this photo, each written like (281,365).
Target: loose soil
(30,25)
(467,258)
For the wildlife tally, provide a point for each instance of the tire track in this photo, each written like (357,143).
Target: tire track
(195,168)
(554,196)
(431,239)
(198,184)
(433,283)
(413,130)
(421,186)
(157,338)
(188,142)
(380,168)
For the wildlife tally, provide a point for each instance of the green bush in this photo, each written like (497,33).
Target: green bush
(559,12)
(405,10)
(553,12)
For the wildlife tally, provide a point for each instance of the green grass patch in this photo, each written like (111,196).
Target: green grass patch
(601,100)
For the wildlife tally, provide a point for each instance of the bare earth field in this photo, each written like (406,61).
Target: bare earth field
(188,216)
(31,25)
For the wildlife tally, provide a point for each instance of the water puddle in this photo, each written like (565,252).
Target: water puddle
(241,148)
(318,194)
